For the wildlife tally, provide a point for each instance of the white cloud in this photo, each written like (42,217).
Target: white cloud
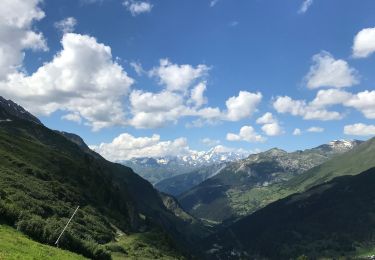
(316,109)
(149,112)
(272,129)
(213,3)
(315,129)
(242,106)
(267,118)
(137,68)
(363,102)
(247,133)
(16,34)
(359,129)
(150,102)
(126,146)
(297,131)
(82,78)
(364,43)
(307,111)
(66,25)
(270,126)
(305,6)
(137,7)
(178,77)
(74,117)
(328,72)
(210,142)
(329,97)
(197,94)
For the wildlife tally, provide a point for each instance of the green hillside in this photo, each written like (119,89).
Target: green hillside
(44,176)
(329,221)
(249,184)
(14,245)
(357,160)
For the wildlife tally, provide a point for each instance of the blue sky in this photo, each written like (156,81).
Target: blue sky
(262,49)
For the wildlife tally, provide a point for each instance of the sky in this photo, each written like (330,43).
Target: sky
(166,77)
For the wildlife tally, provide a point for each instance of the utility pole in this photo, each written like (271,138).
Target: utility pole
(67,224)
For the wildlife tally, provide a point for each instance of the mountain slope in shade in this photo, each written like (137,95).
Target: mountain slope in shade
(44,176)
(157,169)
(330,220)
(10,110)
(183,182)
(234,191)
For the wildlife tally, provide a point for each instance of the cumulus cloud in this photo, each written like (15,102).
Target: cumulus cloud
(359,129)
(74,117)
(242,106)
(137,7)
(363,102)
(364,43)
(315,129)
(82,79)
(297,131)
(272,129)
(329,97)
(271,125)
(305,6)
(127,146)
(154,102)
(152,110)
(326,71)
(178,77)
(267,118)
(16,34)
(197,95)
(149,112)
(316,109)
(247,133)
(66,25)
(306,110)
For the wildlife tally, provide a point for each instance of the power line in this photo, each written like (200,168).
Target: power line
(67,224)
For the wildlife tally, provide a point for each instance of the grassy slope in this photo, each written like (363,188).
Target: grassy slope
(43,177)
(152,244)
(15,245)
(329,220)
(353,162)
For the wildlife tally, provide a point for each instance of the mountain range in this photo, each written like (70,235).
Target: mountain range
(239,188)
(181,183)
(157,169)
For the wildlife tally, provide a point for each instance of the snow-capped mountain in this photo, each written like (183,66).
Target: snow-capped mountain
(343,145)
(157,169)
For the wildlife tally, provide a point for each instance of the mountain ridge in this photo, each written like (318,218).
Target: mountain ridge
(44,174)
(230,193)
(159,168)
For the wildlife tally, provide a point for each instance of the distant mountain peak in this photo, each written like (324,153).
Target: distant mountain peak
(339,145)
(10,109)
(275,152)
(344,143)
